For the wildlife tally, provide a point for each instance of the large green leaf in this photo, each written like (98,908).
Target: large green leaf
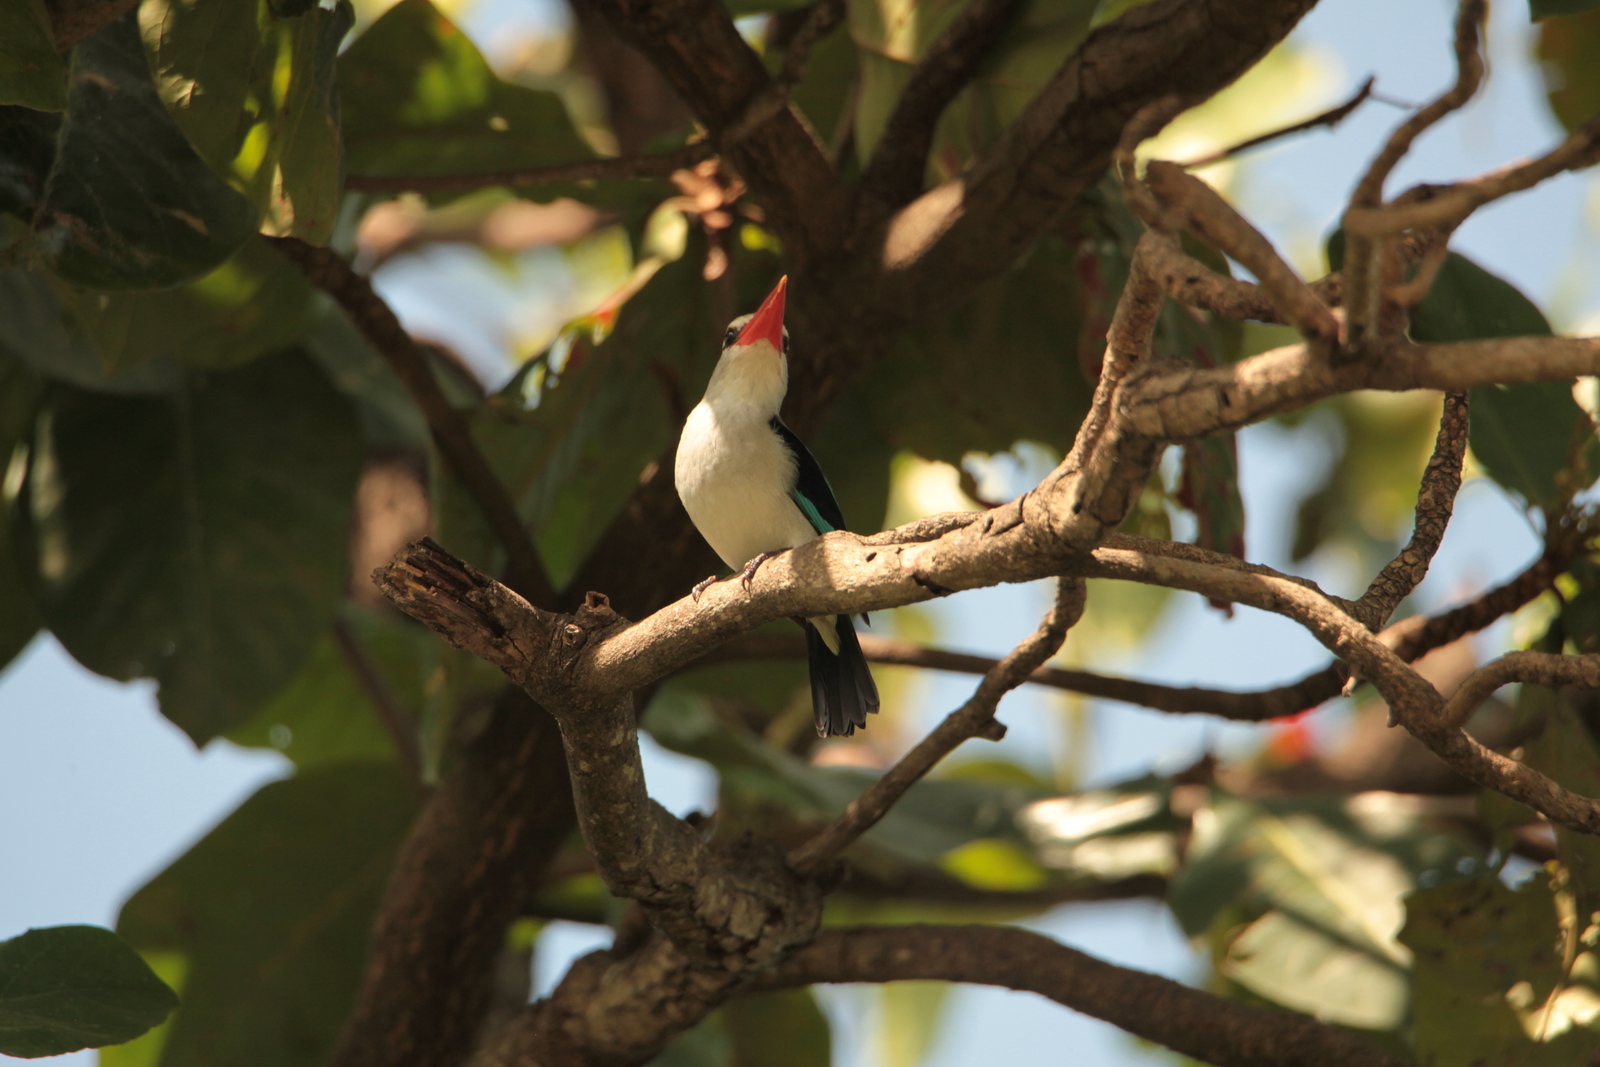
(893,35)
(272,911)
(327,714)
(1567,47)
(31,73)
(254,91)
(1492,985)
(64,988)
(1533,439)
(197,537)
(1001,366)
(160,216)
(1302,900)
(419,99)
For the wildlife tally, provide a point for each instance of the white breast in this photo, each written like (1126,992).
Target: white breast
(734,476)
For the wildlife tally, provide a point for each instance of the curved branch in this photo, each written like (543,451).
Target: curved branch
(1436,498)
(975,718)
(1541,668)
(1200,1025)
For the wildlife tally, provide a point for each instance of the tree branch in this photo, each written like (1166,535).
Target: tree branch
(644,166)
(1199,207)
(820,21)
(1363,265)
(1541,668)
(1188,1021)
(1435,502)
(75,21)
(894,174)
(1330,118)
(975,718)
(368,312)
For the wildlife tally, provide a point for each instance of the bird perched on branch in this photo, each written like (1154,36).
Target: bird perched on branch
(753,490)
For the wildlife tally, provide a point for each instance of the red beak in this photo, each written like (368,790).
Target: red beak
(767,323)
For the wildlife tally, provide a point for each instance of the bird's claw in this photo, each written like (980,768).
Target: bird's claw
(701,587)
(747,575)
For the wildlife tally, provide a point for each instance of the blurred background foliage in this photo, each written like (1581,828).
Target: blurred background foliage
(203,460)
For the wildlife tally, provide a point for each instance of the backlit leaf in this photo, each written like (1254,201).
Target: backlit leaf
(418,98)
(1567,47)
(783,1029)
(255,93)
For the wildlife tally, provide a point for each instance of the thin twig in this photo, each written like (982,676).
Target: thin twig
(644,166)
(975,718)
(894,174)
(1330,118)
(1450,205)
(1363,266)
(376,321)
(1435,502)
(400,725)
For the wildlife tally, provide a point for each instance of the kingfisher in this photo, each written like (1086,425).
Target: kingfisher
(753,490)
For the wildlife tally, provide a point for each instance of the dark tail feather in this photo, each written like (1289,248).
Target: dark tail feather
(842,691)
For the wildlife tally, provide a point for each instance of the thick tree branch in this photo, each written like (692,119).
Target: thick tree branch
(1188,1021)
(368,312)
(975,718)
(645,166)
(894,174)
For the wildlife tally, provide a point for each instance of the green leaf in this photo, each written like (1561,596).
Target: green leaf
(273,910)
(27,150)
(1528,437)
(418,99)
(908,1019)
(389,417)
(1488,959)
(1543,9)
(943,393)
(893,35)
(254,303)
(256,95)
(1302,900)
(161,216)
(784,1029)
(1566,751)
(197,537)
(32,74)
(1567,47)
(64,988)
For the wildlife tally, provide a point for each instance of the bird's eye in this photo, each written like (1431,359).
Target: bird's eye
(786,340)
(732,336)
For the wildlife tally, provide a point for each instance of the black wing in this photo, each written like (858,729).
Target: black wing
(811,492)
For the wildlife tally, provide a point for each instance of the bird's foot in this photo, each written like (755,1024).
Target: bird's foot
(747,575)
(701,587)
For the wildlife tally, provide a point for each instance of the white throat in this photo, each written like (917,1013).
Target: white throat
(749,382)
